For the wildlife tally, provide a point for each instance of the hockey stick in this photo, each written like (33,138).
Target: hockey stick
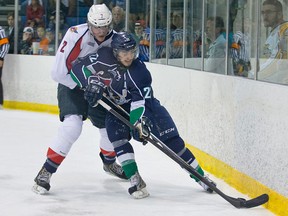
(236,202)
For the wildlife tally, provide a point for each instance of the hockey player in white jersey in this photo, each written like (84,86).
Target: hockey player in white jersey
(79,41)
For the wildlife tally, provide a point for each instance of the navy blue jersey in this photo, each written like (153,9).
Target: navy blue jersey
(131,89)
(128,87)
(125,85)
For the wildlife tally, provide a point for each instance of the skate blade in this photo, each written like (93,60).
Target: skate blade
(39,190)
(140,194)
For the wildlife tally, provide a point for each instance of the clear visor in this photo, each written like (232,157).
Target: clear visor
(94,27)
(100,27)
(127,54)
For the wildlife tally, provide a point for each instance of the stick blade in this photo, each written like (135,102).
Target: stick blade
(242,203)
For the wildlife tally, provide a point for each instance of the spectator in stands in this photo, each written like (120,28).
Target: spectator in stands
(50,35)
(118,19)
(46,39)
(63,26)
(40,33)
(274,68)
(176,44)
(25,45)
(9,31)
(25,3)
(139,30)
(158,49)
(196,37)
(4,48)
(41,38)
(34,14)
(240,49)
(216,43)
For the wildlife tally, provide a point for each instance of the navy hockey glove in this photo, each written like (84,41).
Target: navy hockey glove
(94,91)
(142,130)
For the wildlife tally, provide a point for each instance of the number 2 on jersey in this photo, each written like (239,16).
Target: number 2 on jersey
(62,48)
(147,91)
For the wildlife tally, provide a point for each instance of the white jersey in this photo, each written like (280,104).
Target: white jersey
(77,42)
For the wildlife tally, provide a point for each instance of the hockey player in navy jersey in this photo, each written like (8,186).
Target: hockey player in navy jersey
(79,41)
(126,79)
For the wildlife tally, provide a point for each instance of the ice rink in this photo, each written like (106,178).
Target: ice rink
(80,186)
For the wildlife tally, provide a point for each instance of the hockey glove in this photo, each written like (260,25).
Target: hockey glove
(142,130)
(94,91)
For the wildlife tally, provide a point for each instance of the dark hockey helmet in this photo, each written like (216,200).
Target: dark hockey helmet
(124,41)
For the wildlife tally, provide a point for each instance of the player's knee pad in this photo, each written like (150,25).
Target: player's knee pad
(68,132)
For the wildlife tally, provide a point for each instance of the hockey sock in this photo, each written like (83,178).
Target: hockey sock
(200,171)
(129,167)
(107,157)
(53,161)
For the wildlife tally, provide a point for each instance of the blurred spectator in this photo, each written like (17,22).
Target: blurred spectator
(216,43)
(159,44)
(25,3)
(197,36)
(40,33)
(240,50)
(274,67)
(46,39)
(9,31)
(118,19)
(197,43)
(158,50)
(139,30)
(43,41)
(25,45)
(34,14)
(63,25)
(176,44)
(4,48)
(50,36)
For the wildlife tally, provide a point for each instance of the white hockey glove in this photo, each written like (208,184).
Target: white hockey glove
(94,91)
(142,130)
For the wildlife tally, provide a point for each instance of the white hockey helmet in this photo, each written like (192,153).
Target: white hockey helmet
(99,15)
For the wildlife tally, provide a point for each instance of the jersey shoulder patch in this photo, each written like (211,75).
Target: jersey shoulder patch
(74,29)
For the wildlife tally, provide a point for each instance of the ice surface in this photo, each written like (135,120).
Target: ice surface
(80,186)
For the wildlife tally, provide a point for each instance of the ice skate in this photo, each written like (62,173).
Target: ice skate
(205,187)
(115,170)
(138,187)
(42,182)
